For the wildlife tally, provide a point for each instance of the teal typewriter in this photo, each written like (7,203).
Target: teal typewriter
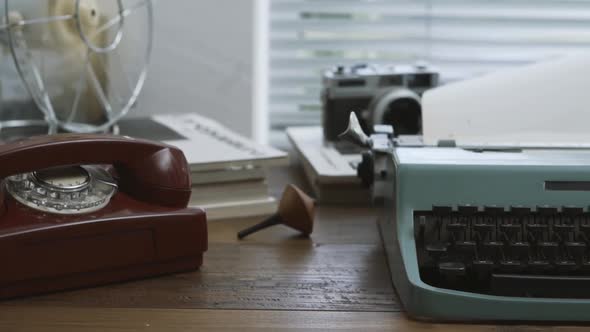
(483,234)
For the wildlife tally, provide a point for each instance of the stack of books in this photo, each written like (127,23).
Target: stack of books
(234,192)
(228,171)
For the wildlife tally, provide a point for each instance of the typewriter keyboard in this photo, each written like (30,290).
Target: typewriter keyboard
(514,251)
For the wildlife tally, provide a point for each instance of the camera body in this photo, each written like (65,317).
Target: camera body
(378,95)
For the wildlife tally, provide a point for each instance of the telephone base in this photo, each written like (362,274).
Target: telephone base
(98,278)
(40,256)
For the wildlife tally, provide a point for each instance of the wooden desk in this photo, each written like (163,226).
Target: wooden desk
(337,280)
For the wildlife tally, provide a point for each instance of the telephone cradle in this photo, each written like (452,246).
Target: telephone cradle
(86,210)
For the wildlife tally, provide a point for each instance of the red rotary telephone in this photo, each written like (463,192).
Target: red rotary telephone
(83,210)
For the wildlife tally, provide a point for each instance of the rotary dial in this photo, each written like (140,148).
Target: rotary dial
(63,190)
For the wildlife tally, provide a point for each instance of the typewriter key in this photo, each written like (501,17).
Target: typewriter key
(576,249)
(437,250)
(452,269)
(520,211)
(467,210)
(493,210)
(483,268)
(493,249)
(467,247)
(549,250)
(538,266)
(572,211)
(546,210)
(585,231)
(565,265)
(441,210)
(585,266)
(520,250)
(511,266)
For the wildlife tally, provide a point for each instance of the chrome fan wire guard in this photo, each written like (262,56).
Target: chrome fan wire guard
(82,62)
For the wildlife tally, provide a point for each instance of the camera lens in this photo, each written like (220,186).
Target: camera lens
(399,108)
(405,115)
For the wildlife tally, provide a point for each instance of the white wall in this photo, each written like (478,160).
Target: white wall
(203,61)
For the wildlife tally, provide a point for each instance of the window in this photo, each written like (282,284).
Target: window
(461,38)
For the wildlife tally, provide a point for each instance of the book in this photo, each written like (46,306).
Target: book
(233,199)
(229,175)
(208,145)
(206,194)
(330,173)
(240,209)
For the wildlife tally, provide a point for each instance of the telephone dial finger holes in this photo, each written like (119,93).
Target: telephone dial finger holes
(63,190)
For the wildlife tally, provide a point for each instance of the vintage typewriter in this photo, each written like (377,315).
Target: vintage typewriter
(483,234)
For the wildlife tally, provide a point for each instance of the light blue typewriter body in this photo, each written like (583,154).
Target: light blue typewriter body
(418,178)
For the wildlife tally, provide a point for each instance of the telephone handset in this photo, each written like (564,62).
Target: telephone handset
(80,210)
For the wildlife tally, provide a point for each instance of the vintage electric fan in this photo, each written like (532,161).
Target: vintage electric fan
(71,65)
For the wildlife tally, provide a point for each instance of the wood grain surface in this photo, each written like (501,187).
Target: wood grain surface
(124,320)
(341,267)
(336,280)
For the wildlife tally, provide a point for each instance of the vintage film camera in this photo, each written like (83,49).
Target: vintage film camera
(378,95)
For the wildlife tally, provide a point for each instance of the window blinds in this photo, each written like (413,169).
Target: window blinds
(462,38)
